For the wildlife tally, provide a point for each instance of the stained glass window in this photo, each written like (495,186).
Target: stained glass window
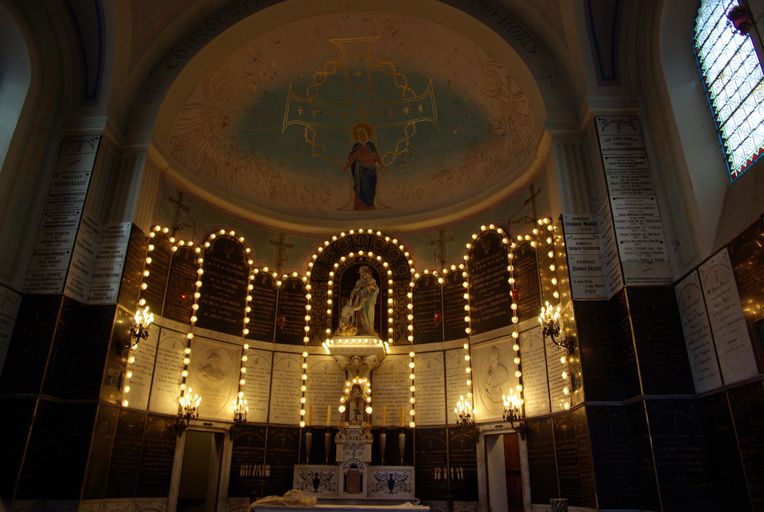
(734,84)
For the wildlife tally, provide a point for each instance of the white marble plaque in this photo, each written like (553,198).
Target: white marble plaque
(169,363)
(611,263)
(390,387)
(214,375)
(697,334)
(143,369)
(733,342)
(430,388)
(535,389)
(554,374)
(456,381)
(285,395)
(109,261)
(9,308)
(257,390)
(619,133)
(493,371)
(325,383)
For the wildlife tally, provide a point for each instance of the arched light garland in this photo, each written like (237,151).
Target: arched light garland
(239,405)
(142,301)
(412,389)
(365,388)
(303,388)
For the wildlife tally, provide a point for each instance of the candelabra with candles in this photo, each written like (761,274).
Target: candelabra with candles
(142,320)
(550,324)
(465,414)
(188,409)
(513,413)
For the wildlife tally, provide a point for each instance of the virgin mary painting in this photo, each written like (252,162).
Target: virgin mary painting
(363,161)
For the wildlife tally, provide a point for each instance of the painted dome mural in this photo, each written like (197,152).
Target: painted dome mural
(364,115)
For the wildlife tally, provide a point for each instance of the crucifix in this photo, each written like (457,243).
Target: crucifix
(281,254)
(525,219)
(440,248)
(179,207)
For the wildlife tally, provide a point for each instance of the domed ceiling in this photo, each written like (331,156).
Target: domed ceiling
(274,125)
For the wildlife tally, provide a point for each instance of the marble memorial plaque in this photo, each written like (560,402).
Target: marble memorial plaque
(431,455)
(214,375)
(325,383)
(428,310)
(285,398)
(258,386)
(157,454)
(262,318)
(181,285)
(430,388)
(533,360)
(453,306)
(390,386)
(527,286)
(143,370)
(169,363)
(489,289)
(493,375)
(10,301)
(126,454)
(456,380)
(159,269)
(224,286)
(290,316)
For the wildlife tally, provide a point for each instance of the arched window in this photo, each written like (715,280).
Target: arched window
(734,84)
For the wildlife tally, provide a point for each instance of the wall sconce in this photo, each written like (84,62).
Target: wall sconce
(188,410)
(142,319)
(741,19)
(513,413)
(550,324)
(465,414)
(240,410)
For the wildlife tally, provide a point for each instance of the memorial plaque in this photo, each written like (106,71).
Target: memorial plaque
(583,248)
(489,289)
(661,350)
(63,429)
(99,458)
(262,318)
(747,259)
(214,375)
(463,464)
(575,472)
(535,386)
(280,457)
(258,386)
(285,397)
(642,452)
(747,404)
(681,461)
(247,477)
(132,273)
(169,363)
(181,285)
(290,315)
(30,343)
(390,383)
(159,269)
(325,383)
(725,312)
(428,310)
(143,370)
(430,373)
(431,463)
(14,435)
(10,301)
(541,462)
(697,334)
(157,455)
(624,342)
(224,286)
(79,350)
(493,375)
(527,289)
(456,380)
(453,306)
(722,446)
(126,454)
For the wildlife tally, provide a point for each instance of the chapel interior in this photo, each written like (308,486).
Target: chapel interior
(451,255)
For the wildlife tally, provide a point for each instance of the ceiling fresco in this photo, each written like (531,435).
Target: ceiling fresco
(330,115)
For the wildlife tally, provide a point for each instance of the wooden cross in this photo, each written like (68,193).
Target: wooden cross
(281,255)
(179,207)
(440,248)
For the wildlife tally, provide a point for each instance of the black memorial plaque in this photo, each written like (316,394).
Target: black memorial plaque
(181,285)
(155,469)
(624,342)
(392,447)
(280,457)
(542,469)
(642,451)
(428,310)
(30,344)
(747,404)
(80,346)
(126,455)
(661,350)
(489,289)
(747,258)
(319,323)
(159,269)
(14,435)
(99,458)
(575,471)
(64,430)
(224,286)
(599,350)
(132,271)
(431,463)
(453,306)
(248,471)
(463,464)
(290,315)
(722,446)
(527,289)
(262,318)
(681,461)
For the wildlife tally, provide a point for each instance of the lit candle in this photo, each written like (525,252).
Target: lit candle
(328,415)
